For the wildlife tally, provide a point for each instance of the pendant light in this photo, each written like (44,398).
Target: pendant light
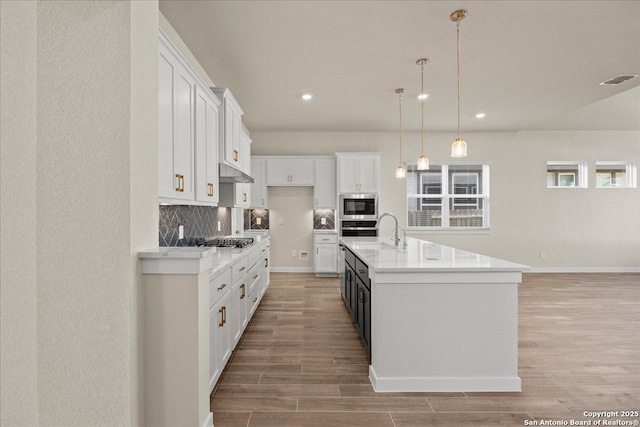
(400,171)
(423,161)
(459,146)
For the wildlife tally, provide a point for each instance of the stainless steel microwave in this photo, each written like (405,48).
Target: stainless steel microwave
(358,206)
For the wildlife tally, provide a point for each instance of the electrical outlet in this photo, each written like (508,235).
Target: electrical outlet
(259,221)
(294,253)
(281,221)
(543,255)
(219,226)
(323,221)
(181,232)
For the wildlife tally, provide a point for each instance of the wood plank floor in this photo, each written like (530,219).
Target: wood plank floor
(300,362)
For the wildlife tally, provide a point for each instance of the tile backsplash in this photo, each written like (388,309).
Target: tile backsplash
(253,216)
(200,222)
(330,219)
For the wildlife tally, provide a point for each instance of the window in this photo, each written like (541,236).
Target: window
(448,197)
(615,175)
(566,174)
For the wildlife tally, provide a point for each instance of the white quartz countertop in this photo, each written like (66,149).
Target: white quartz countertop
(177,252)
(381,254)
(193,260)
(326,231)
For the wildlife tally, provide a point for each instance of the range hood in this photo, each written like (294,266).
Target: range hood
(230,175)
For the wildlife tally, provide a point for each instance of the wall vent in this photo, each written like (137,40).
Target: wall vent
(620,78)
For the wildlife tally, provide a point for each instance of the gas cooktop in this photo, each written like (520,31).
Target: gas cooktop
(228,242)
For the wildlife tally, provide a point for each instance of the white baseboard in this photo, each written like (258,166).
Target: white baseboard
(292,269)
(444,384)
(584,270)
(208,422)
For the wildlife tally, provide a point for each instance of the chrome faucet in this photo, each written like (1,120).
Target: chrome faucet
(396,238)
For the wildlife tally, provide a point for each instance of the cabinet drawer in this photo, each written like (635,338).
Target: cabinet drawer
(254,257)
(254,276)
(218,286)
(350,258)
(363,272)
(239,268)
(325,238)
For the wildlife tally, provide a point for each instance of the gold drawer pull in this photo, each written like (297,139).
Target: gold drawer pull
(221,287)
(242,268)
(235,155)
(255,299)
(256,276)
(221,311)
(243,286)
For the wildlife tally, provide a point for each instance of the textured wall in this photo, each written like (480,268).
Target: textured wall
(294,205)
(18,293)
(200,223)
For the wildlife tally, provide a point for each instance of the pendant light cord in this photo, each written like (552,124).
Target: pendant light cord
(400,102)
(458,50)
(422,105)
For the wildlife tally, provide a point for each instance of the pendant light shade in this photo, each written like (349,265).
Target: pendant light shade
(400,171)
(459,146)
(423,161)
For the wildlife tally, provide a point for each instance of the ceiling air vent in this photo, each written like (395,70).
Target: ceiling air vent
(620,78)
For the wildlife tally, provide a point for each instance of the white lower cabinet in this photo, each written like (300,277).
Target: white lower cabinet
(231,307)
(220,337)
(326,253)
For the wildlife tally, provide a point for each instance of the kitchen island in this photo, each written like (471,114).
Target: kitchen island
(434,318)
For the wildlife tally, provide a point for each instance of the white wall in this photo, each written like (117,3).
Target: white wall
(18,138)
(583,229)
(295,206)
(82,142)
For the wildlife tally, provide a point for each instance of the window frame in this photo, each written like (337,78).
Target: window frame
(448,197)
(630,171)
(580,174)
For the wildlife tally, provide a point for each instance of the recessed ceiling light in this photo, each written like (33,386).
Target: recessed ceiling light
(307,96)
(480,115)
(423,96)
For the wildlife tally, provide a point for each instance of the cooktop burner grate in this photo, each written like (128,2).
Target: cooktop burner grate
(229,242)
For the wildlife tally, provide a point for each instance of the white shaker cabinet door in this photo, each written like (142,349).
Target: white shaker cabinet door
(348,174)
(278,172)
(368,169)
(302,171)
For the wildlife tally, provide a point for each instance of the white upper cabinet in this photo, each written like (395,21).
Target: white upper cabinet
(259,193)
(176,92)
(283,171)
(358,172)
(230,128)
(324,191)
(206,126)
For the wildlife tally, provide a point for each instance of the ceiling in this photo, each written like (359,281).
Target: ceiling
(526,64)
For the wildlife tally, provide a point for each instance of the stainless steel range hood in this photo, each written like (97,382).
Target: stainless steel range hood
(229,175)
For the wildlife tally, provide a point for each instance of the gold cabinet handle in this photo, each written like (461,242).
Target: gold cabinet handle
(180,187)
(255,299)
(266,262)
(221,287)
(256,276)
(221,311)
(235,155)
(242,268)
(243,287)
(210,194)
(244,197)
(224,315)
